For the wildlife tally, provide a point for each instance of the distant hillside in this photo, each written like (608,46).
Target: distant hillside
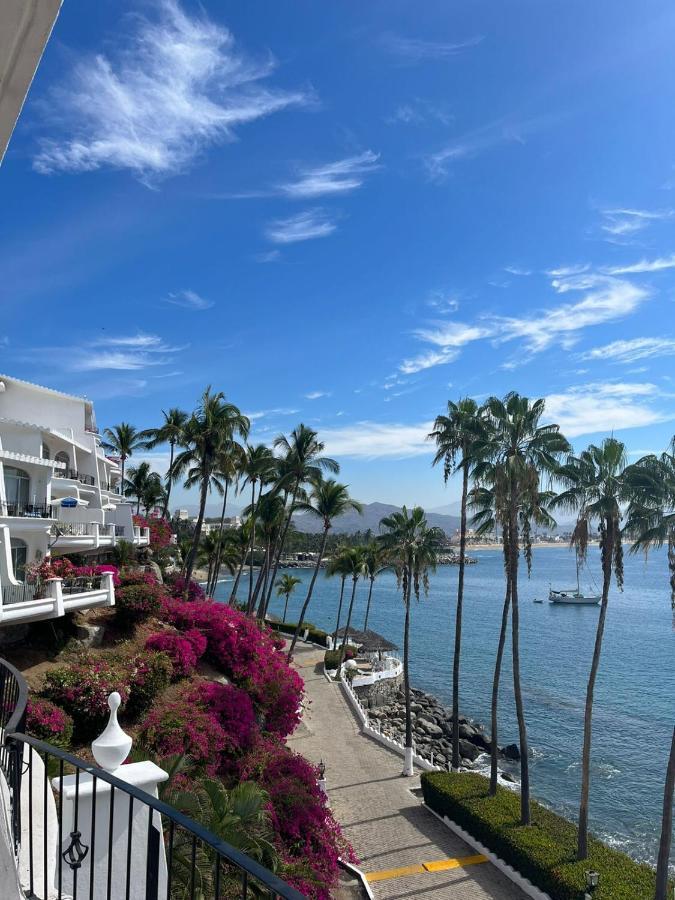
(372,513)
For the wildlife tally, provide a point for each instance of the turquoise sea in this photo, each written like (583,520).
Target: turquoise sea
(635,694)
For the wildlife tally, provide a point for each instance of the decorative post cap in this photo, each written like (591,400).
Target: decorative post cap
(112,746)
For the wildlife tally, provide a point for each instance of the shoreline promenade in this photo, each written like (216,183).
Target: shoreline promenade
(405,851)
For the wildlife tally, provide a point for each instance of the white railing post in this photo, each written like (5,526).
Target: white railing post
(110,750)
(97,535)
(108,585)
(55,591)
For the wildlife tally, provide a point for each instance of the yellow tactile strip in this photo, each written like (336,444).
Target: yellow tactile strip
(439,865)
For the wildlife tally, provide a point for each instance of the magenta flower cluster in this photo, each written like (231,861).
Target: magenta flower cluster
(48,722)
(184,650)
(250,657)
(176,584)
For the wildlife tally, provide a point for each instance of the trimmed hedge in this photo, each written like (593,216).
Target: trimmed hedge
(545,851)
(332,657)
(315,634)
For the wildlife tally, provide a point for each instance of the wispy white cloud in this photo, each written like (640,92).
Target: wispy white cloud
(266,413)
(427,361)
(632,350)
(189,300)
(270,256)
(119,352)
(506,130)
(316,395)
(411,50)
(452,334)
(312,223)
(643,266)
(566,271)
(418,112)
(178,87)
(598,408)
(375,440)
(517,270)
(338,177)
(442,302)
(619,225)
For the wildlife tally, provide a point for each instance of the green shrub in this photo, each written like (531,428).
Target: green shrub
(545,851)
(314,634)
(332,657)
(149,675)
(136,602)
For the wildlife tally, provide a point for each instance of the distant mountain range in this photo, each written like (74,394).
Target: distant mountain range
(370,519)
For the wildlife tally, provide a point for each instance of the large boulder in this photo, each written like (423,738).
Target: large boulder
(468,750)
(511,751)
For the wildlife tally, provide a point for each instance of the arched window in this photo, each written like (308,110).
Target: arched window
(17,487)
(19,551)
(63,457)
(45,452)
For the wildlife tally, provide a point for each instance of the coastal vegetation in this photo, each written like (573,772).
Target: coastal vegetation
(515,471)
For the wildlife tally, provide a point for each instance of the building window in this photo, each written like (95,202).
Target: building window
(45,452)
(19,552)
(62,457)
(17,486)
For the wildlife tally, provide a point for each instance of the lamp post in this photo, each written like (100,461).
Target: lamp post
(592,881)
(321,781)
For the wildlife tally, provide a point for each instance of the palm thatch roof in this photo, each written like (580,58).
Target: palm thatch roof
(369,641)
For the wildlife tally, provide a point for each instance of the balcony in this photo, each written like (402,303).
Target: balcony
(74,475)
(96,833)
(26,510)
(54,598)
(82,535)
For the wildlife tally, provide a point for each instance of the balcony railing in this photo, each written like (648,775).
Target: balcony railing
(75,476)
(73,529)
(119,531)
(19,593)
(26,510)
(100,836)
(82,584)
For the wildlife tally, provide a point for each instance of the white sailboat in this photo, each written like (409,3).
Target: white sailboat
(573,596)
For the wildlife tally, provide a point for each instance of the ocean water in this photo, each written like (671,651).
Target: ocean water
(634,706)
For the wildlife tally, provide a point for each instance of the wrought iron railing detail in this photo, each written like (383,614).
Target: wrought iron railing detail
(26,510)
(19,593)
(13,702)
(73,529)
(119,531)
(74,475)
(81,584)
(180,859)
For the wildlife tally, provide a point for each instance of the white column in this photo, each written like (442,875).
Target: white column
(107,584)
(55,590)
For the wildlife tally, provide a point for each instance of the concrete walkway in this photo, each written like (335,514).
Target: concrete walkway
(390,830)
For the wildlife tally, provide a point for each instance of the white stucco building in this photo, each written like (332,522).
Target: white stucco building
(59,493)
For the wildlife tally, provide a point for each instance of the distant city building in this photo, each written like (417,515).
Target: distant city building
(182,514)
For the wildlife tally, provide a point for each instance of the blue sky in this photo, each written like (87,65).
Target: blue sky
(347,213)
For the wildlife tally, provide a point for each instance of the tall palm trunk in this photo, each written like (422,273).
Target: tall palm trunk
(287,595)
(262,580)
(282,541)
(666,828)
(269,583)
(494,748)
(305,605)
(249,609)
(458,620)
(235,586)
(370,594)
(343,646)
(198,533)
(219,546)
(607,552)
(169,480)
(408,765)
(337,622)
(517,689)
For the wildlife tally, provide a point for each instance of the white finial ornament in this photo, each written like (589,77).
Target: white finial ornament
(112,747)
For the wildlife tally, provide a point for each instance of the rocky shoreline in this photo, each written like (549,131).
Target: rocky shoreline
(433,730)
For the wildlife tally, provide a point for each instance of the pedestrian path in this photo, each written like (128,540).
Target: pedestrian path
(405,851)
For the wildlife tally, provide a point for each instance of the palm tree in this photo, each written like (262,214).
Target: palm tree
(136,483)
(204,436)
(456,440)
(355,565)
(169,432)
(651,522)
(375,561)
(207,552)
(413,549)
(238,816)
(229,468)
(327,500)
(596,486)
(285,587)
(122,440)
(482,501)
(154,494)
(517,451)
(271,517)
(258,467)
(238,540)
(301,463)
(337,565)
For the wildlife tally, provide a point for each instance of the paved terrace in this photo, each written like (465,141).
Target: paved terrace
(392,833)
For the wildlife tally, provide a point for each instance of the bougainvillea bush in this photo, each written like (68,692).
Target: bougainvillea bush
(249,657)
(160,530)
(48,722)
(136,602)
(176,586)
(184,650)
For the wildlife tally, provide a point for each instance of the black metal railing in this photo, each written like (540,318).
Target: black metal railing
(81,584)
(19,593)
(119,530)
(75,476)
(13,702)
(136,840)
(26,510)
(73,529)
